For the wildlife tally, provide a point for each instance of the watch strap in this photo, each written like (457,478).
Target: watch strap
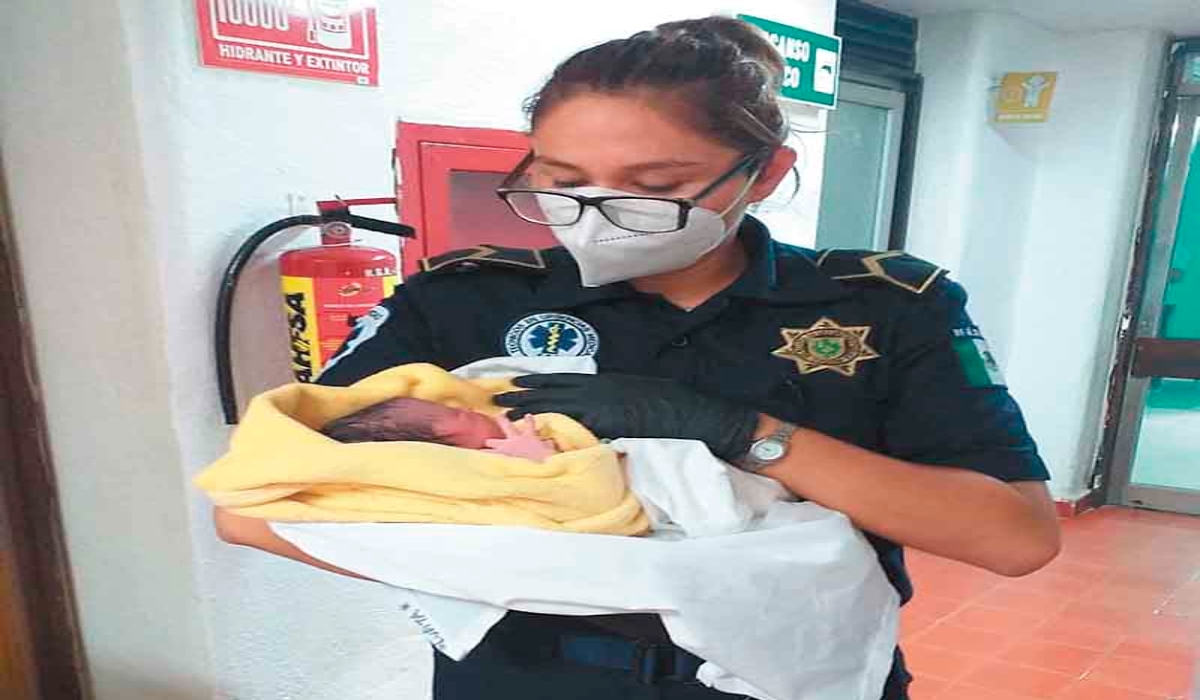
(783,434)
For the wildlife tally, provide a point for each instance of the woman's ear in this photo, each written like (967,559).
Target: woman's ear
(781,163)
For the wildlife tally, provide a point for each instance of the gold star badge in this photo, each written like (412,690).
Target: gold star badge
(826,345)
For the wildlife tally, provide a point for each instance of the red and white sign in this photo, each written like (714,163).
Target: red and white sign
(322,39)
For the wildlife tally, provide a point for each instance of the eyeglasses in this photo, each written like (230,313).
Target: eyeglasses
(637,214)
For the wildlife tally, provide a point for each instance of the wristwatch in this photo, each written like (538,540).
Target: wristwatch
(768,450)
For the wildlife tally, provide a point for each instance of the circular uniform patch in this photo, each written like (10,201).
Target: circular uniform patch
(551,335)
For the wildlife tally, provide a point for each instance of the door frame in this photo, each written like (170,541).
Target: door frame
(43,620)
(1112,475)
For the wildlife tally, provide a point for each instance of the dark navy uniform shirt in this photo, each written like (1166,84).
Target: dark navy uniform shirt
(875,349)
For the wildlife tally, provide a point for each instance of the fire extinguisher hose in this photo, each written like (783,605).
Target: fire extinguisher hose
(222,331)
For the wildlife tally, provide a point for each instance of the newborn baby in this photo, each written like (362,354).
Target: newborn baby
(416,420)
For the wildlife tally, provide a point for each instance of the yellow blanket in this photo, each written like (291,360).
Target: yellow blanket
(280,468)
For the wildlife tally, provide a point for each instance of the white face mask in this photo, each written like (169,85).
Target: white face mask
(607,253)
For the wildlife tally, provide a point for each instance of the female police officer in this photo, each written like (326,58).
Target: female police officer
(855,379)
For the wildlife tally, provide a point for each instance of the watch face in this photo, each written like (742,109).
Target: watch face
(768,450)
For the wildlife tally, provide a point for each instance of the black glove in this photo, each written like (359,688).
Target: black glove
(626,405)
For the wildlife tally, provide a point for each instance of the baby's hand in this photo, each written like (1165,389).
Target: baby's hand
(521,440)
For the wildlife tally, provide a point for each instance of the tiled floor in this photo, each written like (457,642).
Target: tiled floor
(1115,617)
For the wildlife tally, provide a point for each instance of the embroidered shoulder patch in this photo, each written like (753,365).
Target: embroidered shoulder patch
(894,267)
(485,256)
(978,363)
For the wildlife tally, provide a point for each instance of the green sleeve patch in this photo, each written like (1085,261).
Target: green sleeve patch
(976,359)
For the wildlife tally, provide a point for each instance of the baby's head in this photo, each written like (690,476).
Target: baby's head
(415,420)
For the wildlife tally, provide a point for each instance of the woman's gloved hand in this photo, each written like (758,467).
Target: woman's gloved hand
(626,405)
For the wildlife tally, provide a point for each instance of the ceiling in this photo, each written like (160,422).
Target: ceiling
(1180,17)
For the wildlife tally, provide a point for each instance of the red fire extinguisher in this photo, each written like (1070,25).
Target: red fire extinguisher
(325,288)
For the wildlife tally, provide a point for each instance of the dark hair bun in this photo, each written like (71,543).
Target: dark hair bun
(723,73)
(749,41)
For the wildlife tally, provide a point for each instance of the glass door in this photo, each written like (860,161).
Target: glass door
(1158,441)
(862,158)
(849,203)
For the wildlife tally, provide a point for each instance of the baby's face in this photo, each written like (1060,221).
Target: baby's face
(465,428)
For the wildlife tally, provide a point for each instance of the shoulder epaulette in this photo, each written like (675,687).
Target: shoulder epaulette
(893,266)
(481,256)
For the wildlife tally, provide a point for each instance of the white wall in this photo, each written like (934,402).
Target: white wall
(134,174)
(1084,212)
(74,165)
(1037,220)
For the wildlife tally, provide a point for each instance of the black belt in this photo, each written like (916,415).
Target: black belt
(649,662)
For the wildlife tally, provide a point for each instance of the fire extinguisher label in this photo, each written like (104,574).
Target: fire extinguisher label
(321,313)
(302,324)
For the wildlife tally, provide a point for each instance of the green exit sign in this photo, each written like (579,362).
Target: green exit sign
(814,61)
